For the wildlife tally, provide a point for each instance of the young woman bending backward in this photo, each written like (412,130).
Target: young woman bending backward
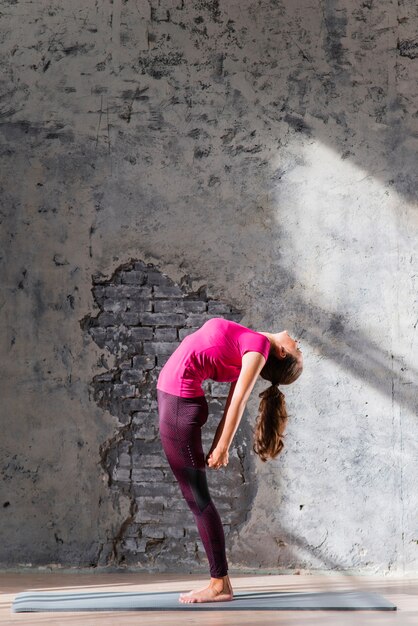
(224,351)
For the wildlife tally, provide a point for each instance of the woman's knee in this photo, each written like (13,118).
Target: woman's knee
(198,483)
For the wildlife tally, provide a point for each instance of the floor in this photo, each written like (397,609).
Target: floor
(402,591)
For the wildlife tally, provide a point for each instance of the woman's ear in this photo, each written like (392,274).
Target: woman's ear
(281,352)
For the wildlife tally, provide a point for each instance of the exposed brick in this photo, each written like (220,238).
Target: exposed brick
(180,518)
(207,438)
(114,306)
(124,446)
(124,460)
(132,376)
(116,292)
(143,317)
(183,332)
(162,319)
(197,319)
(223,505)
(140,334)
(194,306)
(112,293)
(141,266)
(168,487)
(142,418)
(133,277)
(137,304)
(136,404)
(144,434)
(145,362)
(142,475)
(152,504)
(162,291)
(215,405)
(152,447)
(145,516)
(221,390)
(134,530)
(124,390)
(99,336)
(206,386)
(139,448)
(99,292)
(113,333)
(130,318)
(165,334)
(108,318)
(175,532)
(147,460)
(159,347)
(131,544)
(179,306)
(192,533)
(153,530)
(158,278)
(121,474)
(169,306)
(141,544)
(173,502)
(162,359)
(137,545)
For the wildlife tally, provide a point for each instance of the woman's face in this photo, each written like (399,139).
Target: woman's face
(289,345)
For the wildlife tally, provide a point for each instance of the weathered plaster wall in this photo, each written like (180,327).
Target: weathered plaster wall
(265,152)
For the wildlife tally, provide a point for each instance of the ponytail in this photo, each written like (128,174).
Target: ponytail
(270,423)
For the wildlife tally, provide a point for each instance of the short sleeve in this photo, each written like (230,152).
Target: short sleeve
(253,342)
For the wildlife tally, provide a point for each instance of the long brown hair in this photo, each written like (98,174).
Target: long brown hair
(272,414)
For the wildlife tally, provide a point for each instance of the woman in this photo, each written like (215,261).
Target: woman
(224,351)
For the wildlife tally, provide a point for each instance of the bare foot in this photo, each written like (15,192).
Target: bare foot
(218,590)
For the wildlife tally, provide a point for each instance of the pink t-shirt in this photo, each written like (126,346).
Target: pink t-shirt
(213,351)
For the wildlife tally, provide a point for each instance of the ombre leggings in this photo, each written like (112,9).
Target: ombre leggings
(180,423)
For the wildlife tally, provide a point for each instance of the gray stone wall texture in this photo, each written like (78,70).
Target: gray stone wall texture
(164,162)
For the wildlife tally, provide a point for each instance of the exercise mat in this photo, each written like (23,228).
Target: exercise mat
(169,601)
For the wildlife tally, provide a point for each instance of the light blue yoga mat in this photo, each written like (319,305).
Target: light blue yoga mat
(169,601)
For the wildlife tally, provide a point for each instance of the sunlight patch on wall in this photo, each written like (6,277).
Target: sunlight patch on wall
(340,223)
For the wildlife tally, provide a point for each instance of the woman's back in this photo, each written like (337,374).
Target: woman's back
(213,351)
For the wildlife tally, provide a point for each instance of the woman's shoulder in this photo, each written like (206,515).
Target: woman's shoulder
(219,326)
(223,322)
(222,327)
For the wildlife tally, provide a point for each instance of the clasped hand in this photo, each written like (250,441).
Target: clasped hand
(217,457)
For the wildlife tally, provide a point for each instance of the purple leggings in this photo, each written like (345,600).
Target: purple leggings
(180,423)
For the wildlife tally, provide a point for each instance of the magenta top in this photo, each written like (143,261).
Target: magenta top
(213,351)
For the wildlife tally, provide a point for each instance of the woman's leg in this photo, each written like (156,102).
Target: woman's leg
(181,421)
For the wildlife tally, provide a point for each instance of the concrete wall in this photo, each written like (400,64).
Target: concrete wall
(262,158)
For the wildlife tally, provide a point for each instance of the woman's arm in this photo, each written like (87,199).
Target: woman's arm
(252,364)
(221,424)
